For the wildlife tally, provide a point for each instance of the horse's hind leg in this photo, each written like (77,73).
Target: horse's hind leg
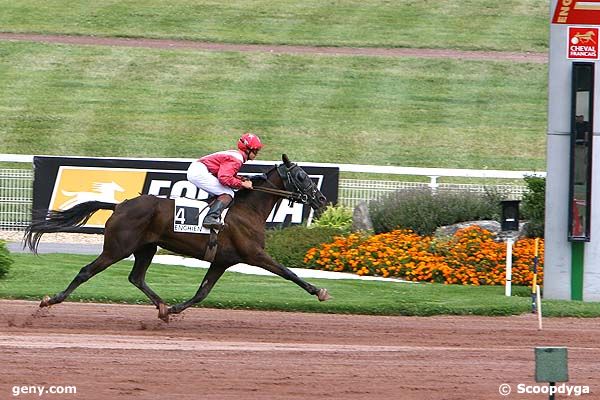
(98,265)
(215,271)
(143,258)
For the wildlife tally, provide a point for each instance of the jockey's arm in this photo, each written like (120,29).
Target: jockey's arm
(227,175)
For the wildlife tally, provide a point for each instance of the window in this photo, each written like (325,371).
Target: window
(581,151)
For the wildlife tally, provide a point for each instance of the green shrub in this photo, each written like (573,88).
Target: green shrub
(289,245)
(338,217)
(5,259)
(423,211)
(534,206)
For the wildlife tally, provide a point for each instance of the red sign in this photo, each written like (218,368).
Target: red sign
(585,12)
(583,43)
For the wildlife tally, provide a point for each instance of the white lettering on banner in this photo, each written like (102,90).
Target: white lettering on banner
(188,187)
(156,186)
(166,189)
(184,189)
(583,51)
(279,214)
(583,48)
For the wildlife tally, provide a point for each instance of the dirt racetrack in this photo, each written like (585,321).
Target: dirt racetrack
(112,351)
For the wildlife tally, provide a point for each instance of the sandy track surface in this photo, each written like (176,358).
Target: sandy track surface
(60,237)
(279,49)
(124,351)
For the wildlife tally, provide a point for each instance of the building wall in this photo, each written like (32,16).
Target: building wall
(559,251)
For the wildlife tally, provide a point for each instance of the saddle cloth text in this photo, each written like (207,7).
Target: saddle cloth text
(189,214)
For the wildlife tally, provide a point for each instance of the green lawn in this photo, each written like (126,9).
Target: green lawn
(135,102)
(516,25)
(100,101)
(33,277)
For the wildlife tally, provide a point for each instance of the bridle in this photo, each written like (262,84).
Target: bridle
(294,190)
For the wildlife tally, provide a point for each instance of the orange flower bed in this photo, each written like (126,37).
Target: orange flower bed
(470,257)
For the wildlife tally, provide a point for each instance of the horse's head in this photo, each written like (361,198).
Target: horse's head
(296,180)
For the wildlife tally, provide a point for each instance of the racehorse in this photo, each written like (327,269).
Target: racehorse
(139,225)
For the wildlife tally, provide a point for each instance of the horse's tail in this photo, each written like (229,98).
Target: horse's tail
(62,221)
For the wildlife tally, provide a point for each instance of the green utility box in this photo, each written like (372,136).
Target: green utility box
(551,364)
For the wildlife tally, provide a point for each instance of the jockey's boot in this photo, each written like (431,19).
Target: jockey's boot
(213,217)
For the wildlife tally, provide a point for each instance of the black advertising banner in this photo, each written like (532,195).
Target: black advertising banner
(62,182)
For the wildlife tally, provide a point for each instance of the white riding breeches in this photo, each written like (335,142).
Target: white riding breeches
(199,175)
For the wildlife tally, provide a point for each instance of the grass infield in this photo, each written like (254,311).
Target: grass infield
(130,102)
(515,25)
(32,277)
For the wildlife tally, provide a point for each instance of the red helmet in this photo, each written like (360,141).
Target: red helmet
(249,142)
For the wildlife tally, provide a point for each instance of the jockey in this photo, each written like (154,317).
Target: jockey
(216,174)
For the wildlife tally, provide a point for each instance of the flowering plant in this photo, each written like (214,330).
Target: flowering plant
(470,257)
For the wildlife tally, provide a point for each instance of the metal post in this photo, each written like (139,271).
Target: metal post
(508,286)
(433,183)
(539,306)
(534,285)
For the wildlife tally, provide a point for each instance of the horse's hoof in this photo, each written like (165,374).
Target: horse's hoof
(45,302)
(323,295)
(163,312)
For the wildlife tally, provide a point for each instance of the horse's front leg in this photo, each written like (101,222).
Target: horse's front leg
(263,260)
(215,271)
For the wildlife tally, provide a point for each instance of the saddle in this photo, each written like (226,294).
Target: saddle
(188,217)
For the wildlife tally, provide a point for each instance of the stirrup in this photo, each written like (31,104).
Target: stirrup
(212,220)
(213,225)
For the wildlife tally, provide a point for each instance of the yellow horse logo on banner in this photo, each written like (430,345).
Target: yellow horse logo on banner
(76,185)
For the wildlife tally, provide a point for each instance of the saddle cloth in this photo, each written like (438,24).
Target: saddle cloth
(189,214)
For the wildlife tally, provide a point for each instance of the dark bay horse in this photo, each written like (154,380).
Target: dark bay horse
(138,226)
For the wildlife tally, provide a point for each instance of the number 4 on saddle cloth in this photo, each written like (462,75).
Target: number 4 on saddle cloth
(189,214)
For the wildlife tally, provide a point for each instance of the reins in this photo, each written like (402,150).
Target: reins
(294,195)
(291,196)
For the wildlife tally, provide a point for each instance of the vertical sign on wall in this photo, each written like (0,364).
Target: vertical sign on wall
(577,12)
(583,43)
(572,241)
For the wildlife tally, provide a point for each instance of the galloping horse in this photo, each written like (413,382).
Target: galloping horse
(139,225)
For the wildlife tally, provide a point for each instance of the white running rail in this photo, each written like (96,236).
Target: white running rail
(16,184)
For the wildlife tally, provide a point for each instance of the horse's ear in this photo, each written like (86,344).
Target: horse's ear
(286,160)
